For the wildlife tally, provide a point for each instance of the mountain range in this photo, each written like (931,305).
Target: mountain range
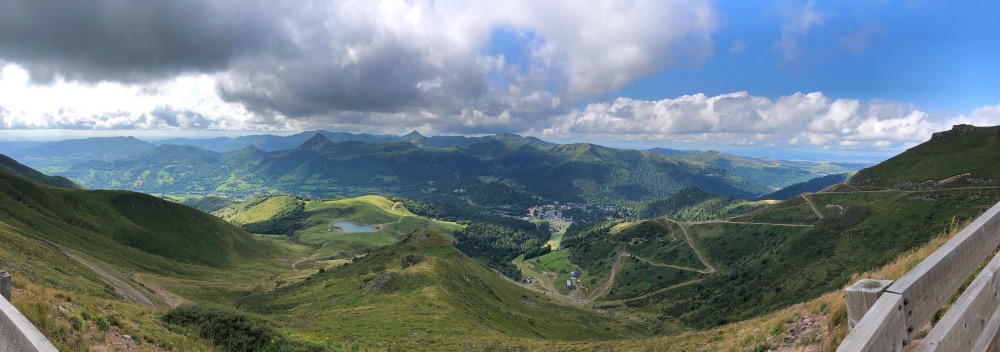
(92,266)
(423,165)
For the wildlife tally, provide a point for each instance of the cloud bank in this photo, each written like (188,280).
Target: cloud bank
(799,119)
(331,60)
(445,66)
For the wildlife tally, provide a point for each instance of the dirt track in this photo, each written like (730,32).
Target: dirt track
(122,289)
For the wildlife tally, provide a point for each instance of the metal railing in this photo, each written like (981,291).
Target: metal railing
(16,332)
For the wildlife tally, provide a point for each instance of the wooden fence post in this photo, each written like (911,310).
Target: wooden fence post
(861,296)
(5,285)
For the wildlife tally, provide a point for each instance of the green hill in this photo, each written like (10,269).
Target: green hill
(416,168)
(102,222)
(692,203)
(756,176)
(964,156)
(772,257)
(13,167)
(206,204)
(276,215)
(53,157)
(114,259)
(422,293)
(810,186)
(314,223)
(798,249)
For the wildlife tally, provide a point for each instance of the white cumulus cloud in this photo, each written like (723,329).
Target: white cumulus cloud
(811,119)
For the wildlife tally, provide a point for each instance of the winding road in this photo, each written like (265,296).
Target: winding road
(813,206)
(662,265)
(122,289)
(701,257)
(603,289)
(710,269)
(606,286)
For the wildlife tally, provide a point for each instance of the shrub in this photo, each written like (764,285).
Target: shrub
(78,323)
(102,323)
(236,331)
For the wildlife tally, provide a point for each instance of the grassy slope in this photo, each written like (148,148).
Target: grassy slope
(693,203)
(540,268)
(11,166)
(961,150)
(135,238)
(445,300)
(812,185)
(101,222)
(262,210)
(659,258)
(771,331)
(53,292)
(764,268)
(206,204)
(395,220)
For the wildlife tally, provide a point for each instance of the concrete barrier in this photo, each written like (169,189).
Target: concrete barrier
(16,332)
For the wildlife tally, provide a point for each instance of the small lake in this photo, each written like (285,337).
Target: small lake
(350,227)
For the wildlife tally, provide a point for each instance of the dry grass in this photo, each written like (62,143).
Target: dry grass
(70,321)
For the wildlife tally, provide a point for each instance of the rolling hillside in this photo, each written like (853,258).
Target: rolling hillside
(756,176)
(321,167)
(422,292)
(110,255)
(275,215)
(964,156)
(314,223)
(810,186)
(54,157)
(114,259)
(103,222)
(11,166)
(794,250)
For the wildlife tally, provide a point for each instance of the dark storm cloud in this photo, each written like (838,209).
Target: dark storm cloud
(375,63)
(317,82)
(296,59)
(180,118)
(129,41)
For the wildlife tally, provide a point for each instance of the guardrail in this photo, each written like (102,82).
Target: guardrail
(886,315)
(16,332)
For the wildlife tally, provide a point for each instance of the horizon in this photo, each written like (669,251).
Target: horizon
(814,155)
(783,77)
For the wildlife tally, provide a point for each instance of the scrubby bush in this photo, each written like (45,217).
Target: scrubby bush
(236,331)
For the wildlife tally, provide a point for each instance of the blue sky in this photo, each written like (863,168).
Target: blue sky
(938,56)
(849,78)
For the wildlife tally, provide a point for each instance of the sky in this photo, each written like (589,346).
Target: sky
(851,77)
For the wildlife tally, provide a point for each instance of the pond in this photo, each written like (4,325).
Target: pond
(350,227)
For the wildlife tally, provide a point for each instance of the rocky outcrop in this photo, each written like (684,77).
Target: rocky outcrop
(409,260)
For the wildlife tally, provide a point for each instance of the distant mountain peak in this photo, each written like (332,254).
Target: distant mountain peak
(316,143)
(668,152)
(413,134)
(251,148)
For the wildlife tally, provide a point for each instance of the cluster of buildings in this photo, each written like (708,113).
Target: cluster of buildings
(574,279)
(549,212)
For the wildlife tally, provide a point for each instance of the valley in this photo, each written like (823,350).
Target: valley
(473,262)
(425,175)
